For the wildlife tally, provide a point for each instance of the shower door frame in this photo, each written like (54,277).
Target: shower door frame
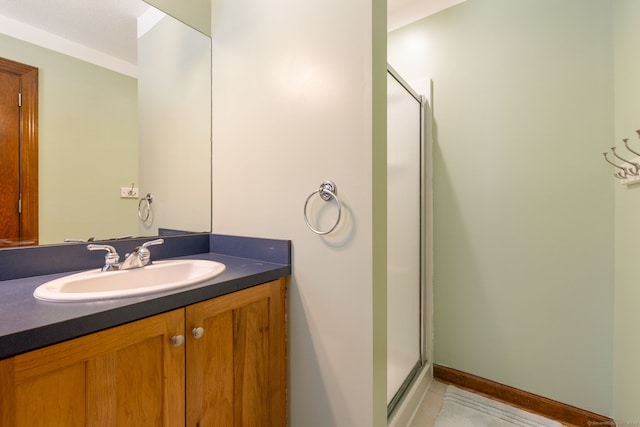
(425,264)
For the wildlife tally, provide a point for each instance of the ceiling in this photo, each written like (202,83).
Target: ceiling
(108,26)
(404,12)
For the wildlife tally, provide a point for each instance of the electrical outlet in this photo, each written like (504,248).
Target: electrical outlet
(129,193)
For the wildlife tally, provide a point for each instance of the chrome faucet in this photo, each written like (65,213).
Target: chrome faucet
(110,259)
(139,257)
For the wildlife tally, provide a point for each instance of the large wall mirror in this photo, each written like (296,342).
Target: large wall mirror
(128,113)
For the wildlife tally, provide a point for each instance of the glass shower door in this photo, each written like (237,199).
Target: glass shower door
(404,355)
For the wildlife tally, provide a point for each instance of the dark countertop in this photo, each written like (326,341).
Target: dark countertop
(27,323)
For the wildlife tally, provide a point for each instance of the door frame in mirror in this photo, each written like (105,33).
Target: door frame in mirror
(28,104)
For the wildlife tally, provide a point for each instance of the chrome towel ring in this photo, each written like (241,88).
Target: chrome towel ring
(328,191)
(145,205)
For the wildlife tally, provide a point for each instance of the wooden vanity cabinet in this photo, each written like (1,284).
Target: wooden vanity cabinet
(229,370)
(127,375)
(236,372)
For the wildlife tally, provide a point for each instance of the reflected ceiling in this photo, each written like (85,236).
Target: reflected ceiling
(107,26)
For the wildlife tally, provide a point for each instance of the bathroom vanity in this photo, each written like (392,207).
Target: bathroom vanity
(210,354)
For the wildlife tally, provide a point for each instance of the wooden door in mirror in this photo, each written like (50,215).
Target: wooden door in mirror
(18,154)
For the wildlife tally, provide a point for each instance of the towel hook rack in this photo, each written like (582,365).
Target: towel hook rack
(619,175)
(626,144)
(629,170)
(634,166)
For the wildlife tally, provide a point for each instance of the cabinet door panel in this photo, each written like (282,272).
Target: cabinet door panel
(236,370)
(210,372)
(65,385)
(251,360)
(102,392)
(140,391)
(128,375)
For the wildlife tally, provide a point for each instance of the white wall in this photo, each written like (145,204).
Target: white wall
(174,68)
(523,220)
(293,105)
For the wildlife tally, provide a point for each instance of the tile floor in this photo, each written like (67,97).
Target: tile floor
(430,406)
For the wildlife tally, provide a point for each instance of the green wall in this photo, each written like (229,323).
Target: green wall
(523,202)
(627,206)
(87,145)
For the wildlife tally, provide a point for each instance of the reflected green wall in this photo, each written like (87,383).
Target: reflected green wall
(87,145)
(195,13)
(523,202)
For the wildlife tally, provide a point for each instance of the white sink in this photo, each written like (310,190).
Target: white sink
(157,277)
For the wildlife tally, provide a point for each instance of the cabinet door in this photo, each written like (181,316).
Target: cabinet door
(236,371)
(129,375)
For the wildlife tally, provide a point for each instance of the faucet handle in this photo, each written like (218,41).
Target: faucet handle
(152,242)
(143,252)
(110,259)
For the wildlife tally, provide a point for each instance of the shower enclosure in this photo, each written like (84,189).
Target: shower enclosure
(406,237)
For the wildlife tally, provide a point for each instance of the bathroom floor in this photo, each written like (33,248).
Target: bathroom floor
(430,407)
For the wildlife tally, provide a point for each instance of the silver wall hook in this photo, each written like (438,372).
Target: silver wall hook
(635,167)
(619,175)
(629,172)
(626,144)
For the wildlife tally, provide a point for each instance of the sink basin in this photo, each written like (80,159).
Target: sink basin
(97,285)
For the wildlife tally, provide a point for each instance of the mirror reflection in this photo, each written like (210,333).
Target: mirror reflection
(115,121)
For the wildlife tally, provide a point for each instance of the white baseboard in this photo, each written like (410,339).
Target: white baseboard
(406,409)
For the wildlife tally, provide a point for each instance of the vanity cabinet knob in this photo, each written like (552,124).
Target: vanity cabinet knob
(197,332)
(177,340)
